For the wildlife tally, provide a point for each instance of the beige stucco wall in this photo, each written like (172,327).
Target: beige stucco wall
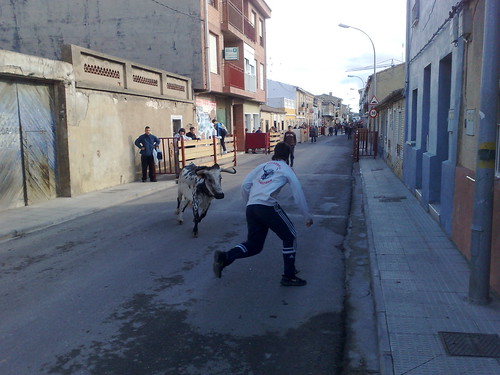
(102,131)
(268,118)
(114,99)
(98,117)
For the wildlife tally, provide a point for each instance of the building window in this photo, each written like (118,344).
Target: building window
(261,76)
(214,63)
(261,32)
(250,69)
(253,18)
(213,3)
(415,13)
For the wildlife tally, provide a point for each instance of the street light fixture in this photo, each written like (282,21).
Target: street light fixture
(362,80)
(374,56)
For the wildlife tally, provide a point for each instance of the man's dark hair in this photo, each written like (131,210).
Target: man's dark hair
(281,151)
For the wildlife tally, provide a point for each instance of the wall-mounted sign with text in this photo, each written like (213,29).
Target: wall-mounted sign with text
(231,53)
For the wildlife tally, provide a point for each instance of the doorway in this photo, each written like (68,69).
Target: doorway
(27,144)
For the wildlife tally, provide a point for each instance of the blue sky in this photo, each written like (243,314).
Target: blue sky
(307,48)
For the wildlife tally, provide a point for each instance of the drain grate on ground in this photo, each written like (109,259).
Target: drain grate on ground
(383,198)
(471,344)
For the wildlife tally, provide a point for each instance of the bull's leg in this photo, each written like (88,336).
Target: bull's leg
(196,220)
(180,196)
(204,211)
(196,216)
(181,206)
(195,229)
(203,208)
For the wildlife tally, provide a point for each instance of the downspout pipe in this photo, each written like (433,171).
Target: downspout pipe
(407,86)
(481,231)
(208,87)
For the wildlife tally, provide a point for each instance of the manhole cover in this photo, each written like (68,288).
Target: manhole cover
(383,198)
(471,344)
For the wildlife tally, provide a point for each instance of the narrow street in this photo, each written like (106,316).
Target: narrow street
(129,291)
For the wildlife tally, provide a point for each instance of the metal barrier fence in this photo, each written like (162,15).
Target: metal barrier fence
(178,152)
(365,143)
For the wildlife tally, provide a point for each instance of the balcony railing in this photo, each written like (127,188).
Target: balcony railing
(232,15)
(249,30)
(234,76)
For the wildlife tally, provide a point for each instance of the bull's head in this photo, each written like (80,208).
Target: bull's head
(212,178)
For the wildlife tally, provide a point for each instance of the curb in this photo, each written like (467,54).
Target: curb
(361,348)
(384,348)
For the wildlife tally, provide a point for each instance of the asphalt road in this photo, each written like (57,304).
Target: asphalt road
(129,291)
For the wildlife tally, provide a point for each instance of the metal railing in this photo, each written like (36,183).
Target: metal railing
(365,143)
(178,152)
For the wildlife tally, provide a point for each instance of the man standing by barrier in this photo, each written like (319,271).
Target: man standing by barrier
(147,142)
(291,140)
(220,132)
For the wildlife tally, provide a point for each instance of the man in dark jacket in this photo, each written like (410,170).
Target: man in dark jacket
(291,140)
(147,142)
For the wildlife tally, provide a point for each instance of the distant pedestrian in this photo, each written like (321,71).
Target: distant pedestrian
(146,143)
(330,130)
(221,133)
(291,140)
(260,189)
(313,133)
(348,130)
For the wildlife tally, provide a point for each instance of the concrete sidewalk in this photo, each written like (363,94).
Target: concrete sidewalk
(420,285)
(18,221)
(22,220)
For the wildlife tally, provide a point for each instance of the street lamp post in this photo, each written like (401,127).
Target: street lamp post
(362,80)
(361,94)
(374,57)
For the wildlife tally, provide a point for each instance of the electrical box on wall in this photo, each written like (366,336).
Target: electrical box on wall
(470,120)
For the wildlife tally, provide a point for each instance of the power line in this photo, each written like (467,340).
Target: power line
(176,10)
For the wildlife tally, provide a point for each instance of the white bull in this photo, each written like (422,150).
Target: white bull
(199,186)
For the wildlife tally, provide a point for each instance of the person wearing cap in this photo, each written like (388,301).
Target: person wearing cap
(260,189)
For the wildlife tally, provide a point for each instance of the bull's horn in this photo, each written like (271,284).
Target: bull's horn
(231,170)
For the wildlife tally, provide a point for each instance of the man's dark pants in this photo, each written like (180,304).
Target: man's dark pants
(148,162)
(260,219)
(292,150)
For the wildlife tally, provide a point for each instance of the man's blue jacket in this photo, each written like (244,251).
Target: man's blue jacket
(148,142)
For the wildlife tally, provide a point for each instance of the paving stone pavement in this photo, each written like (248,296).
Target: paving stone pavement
(420,284)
